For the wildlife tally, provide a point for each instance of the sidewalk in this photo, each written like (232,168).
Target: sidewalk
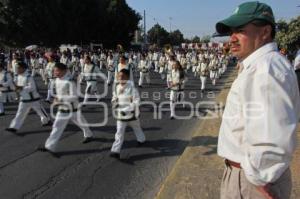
(198,172)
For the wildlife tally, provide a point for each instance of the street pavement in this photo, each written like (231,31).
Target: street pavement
(86,170)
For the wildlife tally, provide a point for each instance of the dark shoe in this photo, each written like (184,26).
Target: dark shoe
(2,114)
(140,86)
(47,124)
(172,118)
(43,149)
(115,155)
(139,144)
(48,101)
(12,130)
(87,140)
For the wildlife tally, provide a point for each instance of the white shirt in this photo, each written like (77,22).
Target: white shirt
(297,61)
(128,100)
(66,93)
(262,139)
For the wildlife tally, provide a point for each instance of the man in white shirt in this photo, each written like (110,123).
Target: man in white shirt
(297,65)
(258,131)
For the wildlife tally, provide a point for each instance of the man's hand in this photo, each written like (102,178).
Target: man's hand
(266,191)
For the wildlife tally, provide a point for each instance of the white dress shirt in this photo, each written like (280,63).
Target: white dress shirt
(297,61)
(259,123)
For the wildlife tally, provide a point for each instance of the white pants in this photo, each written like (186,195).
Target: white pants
(59,125)
(214,77)
(224,68)
(42,73)
(1,107)
(91,89)
(142,77)
(119,136)
(109,76)
(162,74)
(174,98)
(23,111)
(50,92)
(101,64)
(169,80)
(203,82)
(34,72)
(156,66)
(220,72)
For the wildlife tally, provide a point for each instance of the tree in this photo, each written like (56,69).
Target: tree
(288,35)
(196,39)
(176,38)
(206,39)
(158,35)
(53,22)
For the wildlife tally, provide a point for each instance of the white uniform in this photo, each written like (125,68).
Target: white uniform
(82,63)
(67,99)
(155,59)
(34,64)
(7,93)
(102,60)
(110,70)
(177,80)
(50,78)
(213,67)
(144,68)
(194,62)
(119,67)
(29,99)
(14,65)
(259,125)
(204,72)
(95,59)
(162,65)
(66,61)
(126,108)
(42,68)
(75,63)
(91,73)
(169,71)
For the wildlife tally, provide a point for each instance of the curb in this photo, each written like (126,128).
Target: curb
(198,171)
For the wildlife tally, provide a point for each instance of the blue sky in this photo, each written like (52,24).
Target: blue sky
(198,17)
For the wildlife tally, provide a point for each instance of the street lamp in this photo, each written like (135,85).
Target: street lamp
(170,19)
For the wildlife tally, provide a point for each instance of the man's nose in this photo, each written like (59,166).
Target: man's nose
(233,38)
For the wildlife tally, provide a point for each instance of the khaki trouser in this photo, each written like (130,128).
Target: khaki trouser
(236,186)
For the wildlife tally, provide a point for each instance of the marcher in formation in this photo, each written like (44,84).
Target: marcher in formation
(62,71)
(29,98)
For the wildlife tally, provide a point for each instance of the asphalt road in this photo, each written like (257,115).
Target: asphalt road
(87,171)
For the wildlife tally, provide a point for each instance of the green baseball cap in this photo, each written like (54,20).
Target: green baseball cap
(244,14)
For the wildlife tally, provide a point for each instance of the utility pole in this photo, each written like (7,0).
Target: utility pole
(145,33)
(170,18)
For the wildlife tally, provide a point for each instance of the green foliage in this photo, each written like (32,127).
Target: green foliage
(54,22)
(196,39)
(176,38)
(205,39)
(158,35)
(288,35)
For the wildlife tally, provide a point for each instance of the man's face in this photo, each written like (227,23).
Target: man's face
(87,61)
(59,73)
(122,77)
(20,70)
(245,40)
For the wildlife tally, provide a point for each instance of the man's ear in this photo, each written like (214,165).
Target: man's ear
(267,32)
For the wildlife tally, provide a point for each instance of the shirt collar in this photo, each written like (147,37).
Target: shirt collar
(258,53)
